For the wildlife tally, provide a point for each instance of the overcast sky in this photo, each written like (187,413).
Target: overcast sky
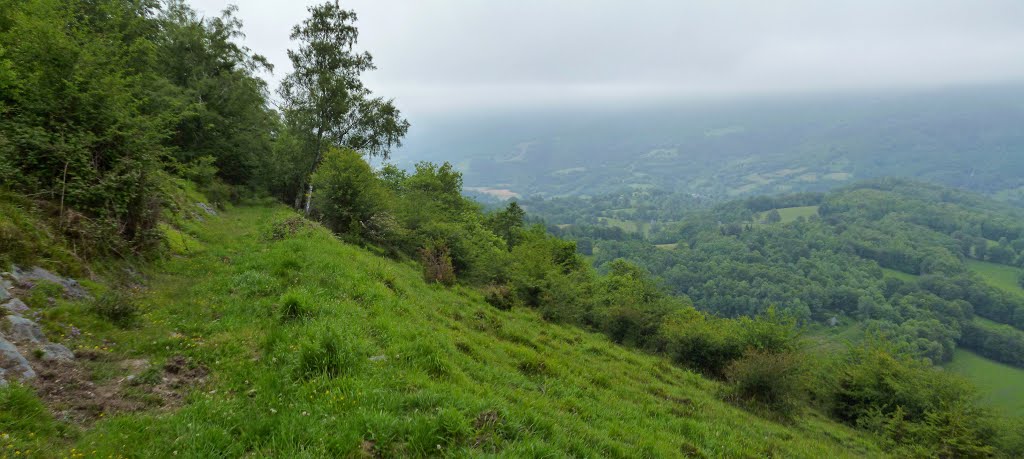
(463,55)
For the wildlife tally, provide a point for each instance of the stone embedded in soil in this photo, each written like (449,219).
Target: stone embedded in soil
(57,353)
(13,362)
(23,329)
(72,289)
(15,307)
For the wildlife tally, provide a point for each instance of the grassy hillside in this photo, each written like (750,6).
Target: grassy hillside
(285,342)
(1000,276)
(1000,384)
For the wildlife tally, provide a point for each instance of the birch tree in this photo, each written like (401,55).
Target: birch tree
(326,99)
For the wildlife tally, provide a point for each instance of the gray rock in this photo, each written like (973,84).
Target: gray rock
(378,358)
(206,208)
(57,353)
(15,307)
(23,329)
(13,362)
(72,289)
(4,294)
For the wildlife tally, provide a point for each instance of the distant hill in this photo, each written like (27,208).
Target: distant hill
(968,138)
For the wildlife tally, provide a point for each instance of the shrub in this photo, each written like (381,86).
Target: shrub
(221,194)
(287,227)
(437,264)
(909,402)
(769,379)
(499,296)
(116,306)
(699,342)
(202,170)
(346,192)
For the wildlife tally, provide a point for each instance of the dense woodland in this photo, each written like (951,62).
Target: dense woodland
(106,106)
(733,261)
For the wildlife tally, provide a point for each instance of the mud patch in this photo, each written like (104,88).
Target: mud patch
(75,395)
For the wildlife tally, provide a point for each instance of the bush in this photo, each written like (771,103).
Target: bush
(346,192)
(499,296)
(202,170)
(704,344)
(116,306)
(772,380)
(908,402)
(437,265)
(221,194)
(287,227)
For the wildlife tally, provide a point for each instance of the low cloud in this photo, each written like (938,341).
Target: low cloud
(444,55)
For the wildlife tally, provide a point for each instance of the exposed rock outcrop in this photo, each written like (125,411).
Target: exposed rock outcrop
(25,331)
(13,365)
(72,289)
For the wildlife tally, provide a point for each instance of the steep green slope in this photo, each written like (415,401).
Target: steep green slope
(1000,276)
(1000,383)
(288,343)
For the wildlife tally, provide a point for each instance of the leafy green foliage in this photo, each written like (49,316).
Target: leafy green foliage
(224,126)
(774,380)
(77,128)
(921,409)
(324,98)
(348,194)
(827,266)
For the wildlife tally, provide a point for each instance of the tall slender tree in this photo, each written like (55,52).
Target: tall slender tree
(325,99)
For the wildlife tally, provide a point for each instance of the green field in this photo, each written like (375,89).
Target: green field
(1000,276)
(899,275)
(790,214)
(625,225)
(1001,386)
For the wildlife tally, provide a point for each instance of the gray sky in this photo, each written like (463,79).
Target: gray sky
(462,55)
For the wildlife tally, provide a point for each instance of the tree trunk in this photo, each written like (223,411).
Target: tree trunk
(309,198)
(304,201)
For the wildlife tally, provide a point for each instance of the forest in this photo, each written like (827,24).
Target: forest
(112,110)
(890,255)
